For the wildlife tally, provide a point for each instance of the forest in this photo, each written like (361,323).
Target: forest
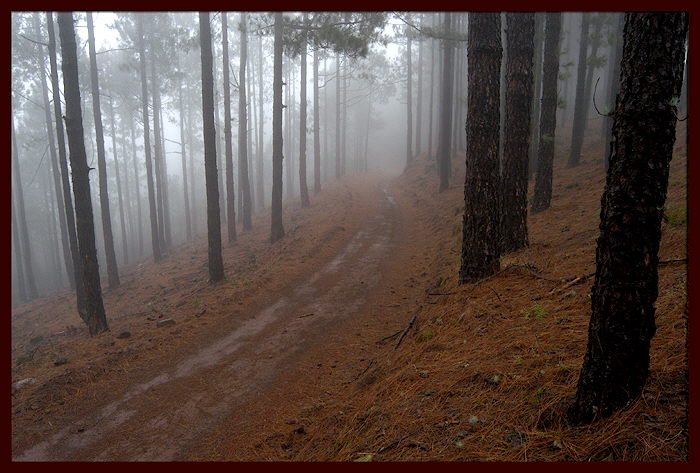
(349,236)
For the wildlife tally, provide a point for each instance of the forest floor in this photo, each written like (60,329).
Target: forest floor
(350,339)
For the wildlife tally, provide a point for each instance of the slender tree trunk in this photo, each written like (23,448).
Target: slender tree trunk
(548,114)
(155,234)
(53,232)
(344,128)
(481,225)
(228,144)
(537,95)
(337,116)
(614,86)
(216,263)
(277,228)
(317,130)
(579,106)
(125,245)
(112,271)
(303,189)
(520,33)
(431,108)
(287,146)
(251,131)
(243,177)
(183,154)
(127,186)
(445,129)
(167,233)
(261,126)
(419,105)
(137,185)
(409,102)
(93,313)
(193,182)
(594,41)
(41,60)
(19,257)
(616,364)
(157,152)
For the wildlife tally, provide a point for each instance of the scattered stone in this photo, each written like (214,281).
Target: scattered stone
(556,445)
(60,361)
(165,323)
(300,430)
(124,334)
(495,379)
(20,384)
(516,438)
(473,419)
(291,422)
(429,392)
(424,374)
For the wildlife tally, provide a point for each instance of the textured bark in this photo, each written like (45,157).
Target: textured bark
(480,227)
(579,105)
(548,114)
(616,364)
(409,103)
(112,271)
(520,33)
(243,177)
(228,144)
(67,257)
(92,313)
(317,131)
(155,238)
(216,264)
(277,228)
(125,244)
(445,110)
(303,189)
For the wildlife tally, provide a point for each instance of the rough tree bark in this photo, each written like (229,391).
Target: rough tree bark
(520,34)
(112,271)
(616,364)
(92,313)
(480,227)
(277,228)
(228,145)
(548,114)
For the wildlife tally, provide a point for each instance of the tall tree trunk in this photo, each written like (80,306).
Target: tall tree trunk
(548,114)
(419,105)
(112,271)
(228,144)
(344,127)
(445,128)
(480,228)
(579,106)
(125,245)
(251,131)
(167,233)
(337,115)
(616,364)
(157,151)
(409,102)
(216,263)
(193,182)
(520,33)
(93,313)
(303,189)
(614,86)
(183,153)
(67,257)
(431,108)
(594,41)
(243,177)
(52,233)
(287,147)
(137,185)
(537,94)
(127,186)
(63,162)
(155,234)
(317,130)
(260,176)
(19,257)
(277,228)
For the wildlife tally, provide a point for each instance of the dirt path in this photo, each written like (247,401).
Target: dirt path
(161,418)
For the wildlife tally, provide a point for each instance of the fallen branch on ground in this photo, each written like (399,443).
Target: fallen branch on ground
(405,331)
(390,336)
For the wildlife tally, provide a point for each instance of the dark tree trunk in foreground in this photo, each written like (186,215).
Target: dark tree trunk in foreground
(303,189)
(480,228)
(155,238)
(548,114)
(93,313)
(317,131)
(112,271)
(277,228)
(228,144)
(579,105)
(445,121)
(243,175)
(63,163)
(616,363)
(216,263)
(520,36)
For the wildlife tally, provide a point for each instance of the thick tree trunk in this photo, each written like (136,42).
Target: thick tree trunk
(243,177)
(155,234)
(93,313)
(445,128)
(125,244)
(409,103)
(616,364)
(112,271)
(277,228)
(228,144)
(480,228)
(548,114)
(216,263)
(317,130)
(303,189)
(520,33)
(579,106)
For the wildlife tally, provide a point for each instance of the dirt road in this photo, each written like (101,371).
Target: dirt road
(161,418)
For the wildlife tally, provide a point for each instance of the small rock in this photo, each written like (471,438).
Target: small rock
(291,422)
(165,323)
(556,445)
(429,392)
(424,374)
(60,361)
(473,419)
(124,334)
(300,430)
(20,384)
